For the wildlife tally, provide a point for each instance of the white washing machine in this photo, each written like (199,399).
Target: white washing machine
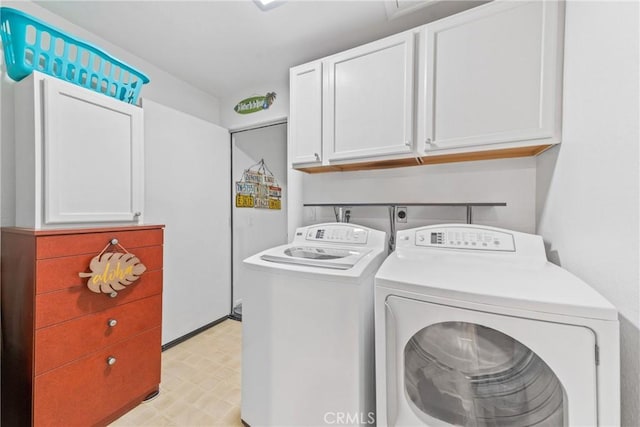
(307,334)
(474,327)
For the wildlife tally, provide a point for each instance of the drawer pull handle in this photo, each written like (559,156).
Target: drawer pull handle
(112,322)
(111,360)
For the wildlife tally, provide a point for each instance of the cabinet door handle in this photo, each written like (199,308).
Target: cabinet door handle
(111,360)
(429,143)
(112,322)
(317,156)
(137,214)
(407,143)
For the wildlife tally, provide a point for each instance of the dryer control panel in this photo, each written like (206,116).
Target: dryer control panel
(476,238)
(338,234)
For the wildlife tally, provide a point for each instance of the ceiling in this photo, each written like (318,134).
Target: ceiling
(224,47)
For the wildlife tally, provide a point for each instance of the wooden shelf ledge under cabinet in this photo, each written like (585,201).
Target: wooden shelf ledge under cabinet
(503,153)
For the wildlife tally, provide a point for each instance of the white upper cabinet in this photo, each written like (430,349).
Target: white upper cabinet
(305,120)
(488,85)
(368,100)
(492,75)
(79,156)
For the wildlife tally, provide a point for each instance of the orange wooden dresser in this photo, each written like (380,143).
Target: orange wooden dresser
(72,357)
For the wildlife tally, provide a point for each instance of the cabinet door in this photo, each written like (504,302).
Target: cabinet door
(369,100)
(93,156)
(305,120)
(492,75)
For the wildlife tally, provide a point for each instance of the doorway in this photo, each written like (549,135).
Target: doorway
(256,229)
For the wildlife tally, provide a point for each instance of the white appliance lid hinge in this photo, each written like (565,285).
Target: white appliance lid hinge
(597,354)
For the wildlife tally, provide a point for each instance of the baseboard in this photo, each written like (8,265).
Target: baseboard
(192,334)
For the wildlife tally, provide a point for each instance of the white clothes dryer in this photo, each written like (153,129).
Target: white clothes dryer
(474,327)
(307,334)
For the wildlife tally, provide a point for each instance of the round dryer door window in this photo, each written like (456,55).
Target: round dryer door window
(471,375)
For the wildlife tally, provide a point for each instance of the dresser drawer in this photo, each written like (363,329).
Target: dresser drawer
(66,304)
(65,342)
(88,391)
(60,273)
(92,243)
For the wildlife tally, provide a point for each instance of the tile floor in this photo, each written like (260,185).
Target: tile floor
(200,383)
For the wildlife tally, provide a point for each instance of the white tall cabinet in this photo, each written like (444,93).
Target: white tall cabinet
(79,156)
(491,75)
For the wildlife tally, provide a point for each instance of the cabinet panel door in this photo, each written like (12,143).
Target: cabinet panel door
(63,245)
(369,100)
(70,303)
(90,333)
(305,121)
(93,156)
(90,390)
(491,75)
(54,274)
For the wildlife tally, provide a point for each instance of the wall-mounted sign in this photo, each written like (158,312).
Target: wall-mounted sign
(258,188)
(113,271)
(246,187)
(255,103)
(275,203)
(262,203)
(245,201)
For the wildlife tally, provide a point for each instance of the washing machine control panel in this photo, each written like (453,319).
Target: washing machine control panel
(338,234)
(479,239)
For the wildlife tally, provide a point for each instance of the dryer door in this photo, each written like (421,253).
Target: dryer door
(470,368)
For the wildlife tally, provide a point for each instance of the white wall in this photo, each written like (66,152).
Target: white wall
(279,110)
(257,229)
(508,180)
(187,179)
(163,88)
(587,190)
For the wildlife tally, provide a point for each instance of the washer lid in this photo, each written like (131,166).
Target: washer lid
(340,258)
(500,281)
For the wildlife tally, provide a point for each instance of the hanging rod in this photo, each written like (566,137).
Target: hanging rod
(351,205)
(394,206)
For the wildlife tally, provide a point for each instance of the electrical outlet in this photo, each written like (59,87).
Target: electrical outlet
(401,214)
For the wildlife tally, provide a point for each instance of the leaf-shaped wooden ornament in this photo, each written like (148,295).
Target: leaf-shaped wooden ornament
(113,271)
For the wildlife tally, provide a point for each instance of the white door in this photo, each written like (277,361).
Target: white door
(187,179)
(368,94)
(255,230)
(93,156)
(453,366)
(305,113)
(490,75)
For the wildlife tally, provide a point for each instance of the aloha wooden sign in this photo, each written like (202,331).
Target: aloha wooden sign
(113,271)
